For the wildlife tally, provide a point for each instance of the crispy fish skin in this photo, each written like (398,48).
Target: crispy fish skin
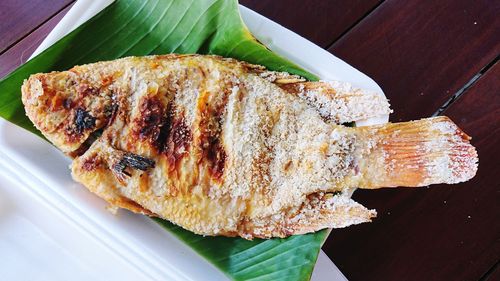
(222,147)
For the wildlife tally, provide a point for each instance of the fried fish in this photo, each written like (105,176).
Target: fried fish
(223,147)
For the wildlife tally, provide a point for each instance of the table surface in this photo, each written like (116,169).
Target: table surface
(431,58)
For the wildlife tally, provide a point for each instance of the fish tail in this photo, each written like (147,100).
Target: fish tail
(416,153)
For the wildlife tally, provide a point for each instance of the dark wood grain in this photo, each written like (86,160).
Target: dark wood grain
(439,233)
(19,53)
(421,52)
(493,274)
(18,20)
(320,21)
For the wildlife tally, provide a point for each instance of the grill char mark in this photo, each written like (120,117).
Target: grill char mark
(83,121)
(167,131)
(165,127)
(216,157)
(210,136)
(148,126)
(178,138)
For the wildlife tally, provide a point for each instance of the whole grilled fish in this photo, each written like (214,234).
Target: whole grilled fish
(223,147)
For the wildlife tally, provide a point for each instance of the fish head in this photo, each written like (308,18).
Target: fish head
(67,108)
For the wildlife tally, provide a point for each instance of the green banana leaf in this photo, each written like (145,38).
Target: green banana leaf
(136,28)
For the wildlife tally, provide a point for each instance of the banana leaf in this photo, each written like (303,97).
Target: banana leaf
(137,28)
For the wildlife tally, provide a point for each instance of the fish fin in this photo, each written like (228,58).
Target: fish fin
(322,211)
(339,101)
(317,212)
(416,153)
(123,202)
(279,78)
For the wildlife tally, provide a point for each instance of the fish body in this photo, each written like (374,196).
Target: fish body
(223,147)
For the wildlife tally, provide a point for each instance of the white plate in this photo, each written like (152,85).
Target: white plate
(54,229)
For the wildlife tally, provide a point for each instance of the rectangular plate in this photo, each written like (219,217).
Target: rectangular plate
(50,224)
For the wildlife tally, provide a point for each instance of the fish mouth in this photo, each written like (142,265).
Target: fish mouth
(93,137)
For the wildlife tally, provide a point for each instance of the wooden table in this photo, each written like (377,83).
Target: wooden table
(431,58)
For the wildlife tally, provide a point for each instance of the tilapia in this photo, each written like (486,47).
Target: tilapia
(224,147)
